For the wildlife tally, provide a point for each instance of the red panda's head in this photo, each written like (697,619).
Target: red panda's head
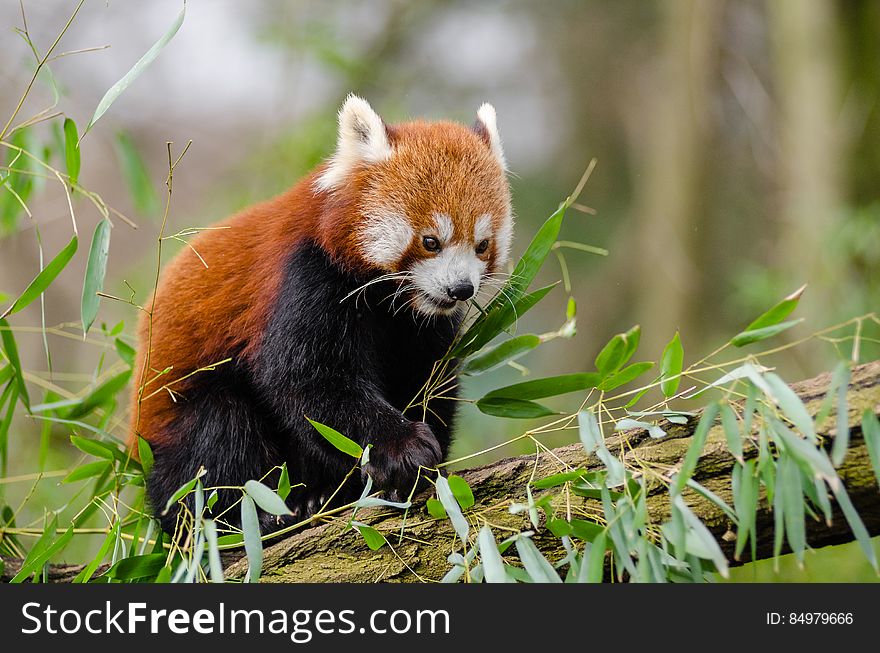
(427,202)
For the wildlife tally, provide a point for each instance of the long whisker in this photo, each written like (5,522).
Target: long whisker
(400,276)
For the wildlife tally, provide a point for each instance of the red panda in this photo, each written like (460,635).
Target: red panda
(333,301)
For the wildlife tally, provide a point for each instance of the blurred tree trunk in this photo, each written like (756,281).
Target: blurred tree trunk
(669,132)
(811,163)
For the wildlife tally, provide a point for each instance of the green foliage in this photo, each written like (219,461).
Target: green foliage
(71,151)
(341,442)
(136,175)
(670,366)
(46,276)
(267,499)
(250,525)
(142,64)
(96,269)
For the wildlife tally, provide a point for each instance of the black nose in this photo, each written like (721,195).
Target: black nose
(461,291)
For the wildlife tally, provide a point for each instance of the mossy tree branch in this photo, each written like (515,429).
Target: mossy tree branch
(420,545)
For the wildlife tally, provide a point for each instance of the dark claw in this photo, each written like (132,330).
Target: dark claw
(395,464)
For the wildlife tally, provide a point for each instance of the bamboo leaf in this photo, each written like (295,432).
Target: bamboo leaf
(46,276)
(461,491)
(806,453)
(589,431)
(513,408)
(616,471)
(856,524)
(496,320)
(450,505)
(435,508)
(116,90)
(215,567)
(136,175)
(624,376)
(11,351)
(547,387)
(871,433)
(841,438)
(792,406)
(97,448)
(631,338)
(266,498)
(126,351)
(536,565)
(501,354)
(790,489)
(714,498)
(740,372)
(695,449)
(137,567)
(556,480)
(95,272)
(731,431)
(145,454)
(756,335)
(493,566)
(341,442)
(779,312)
(71,150)
(87,470)
(47,546)
(586,530)
(374,539)
(284,483)
(653,430)
(610,359)
(671,366)
(253,546)
(102,394)
(181,492)
(89,570)
(536,253)
(593,568)
(822,500)
(700,539)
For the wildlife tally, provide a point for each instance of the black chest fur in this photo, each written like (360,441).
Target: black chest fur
(322,321)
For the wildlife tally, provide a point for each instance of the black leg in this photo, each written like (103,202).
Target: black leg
(217,428)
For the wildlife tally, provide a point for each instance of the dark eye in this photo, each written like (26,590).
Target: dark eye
(431,244)
(482,247)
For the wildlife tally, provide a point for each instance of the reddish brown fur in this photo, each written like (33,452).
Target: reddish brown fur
(204,315)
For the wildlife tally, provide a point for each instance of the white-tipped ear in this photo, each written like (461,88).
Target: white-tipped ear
(487,128)
(362,139)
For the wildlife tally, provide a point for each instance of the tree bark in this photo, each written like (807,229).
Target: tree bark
(419,547)
(813,149)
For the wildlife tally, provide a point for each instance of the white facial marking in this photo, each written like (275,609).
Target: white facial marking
(385,237)
(362,139)
(454,265)
(486,115)
(482,228)
(444,227)
(503,239)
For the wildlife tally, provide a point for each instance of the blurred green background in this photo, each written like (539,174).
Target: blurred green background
(738,147)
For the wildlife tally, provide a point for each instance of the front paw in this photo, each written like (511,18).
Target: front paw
(395,462)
